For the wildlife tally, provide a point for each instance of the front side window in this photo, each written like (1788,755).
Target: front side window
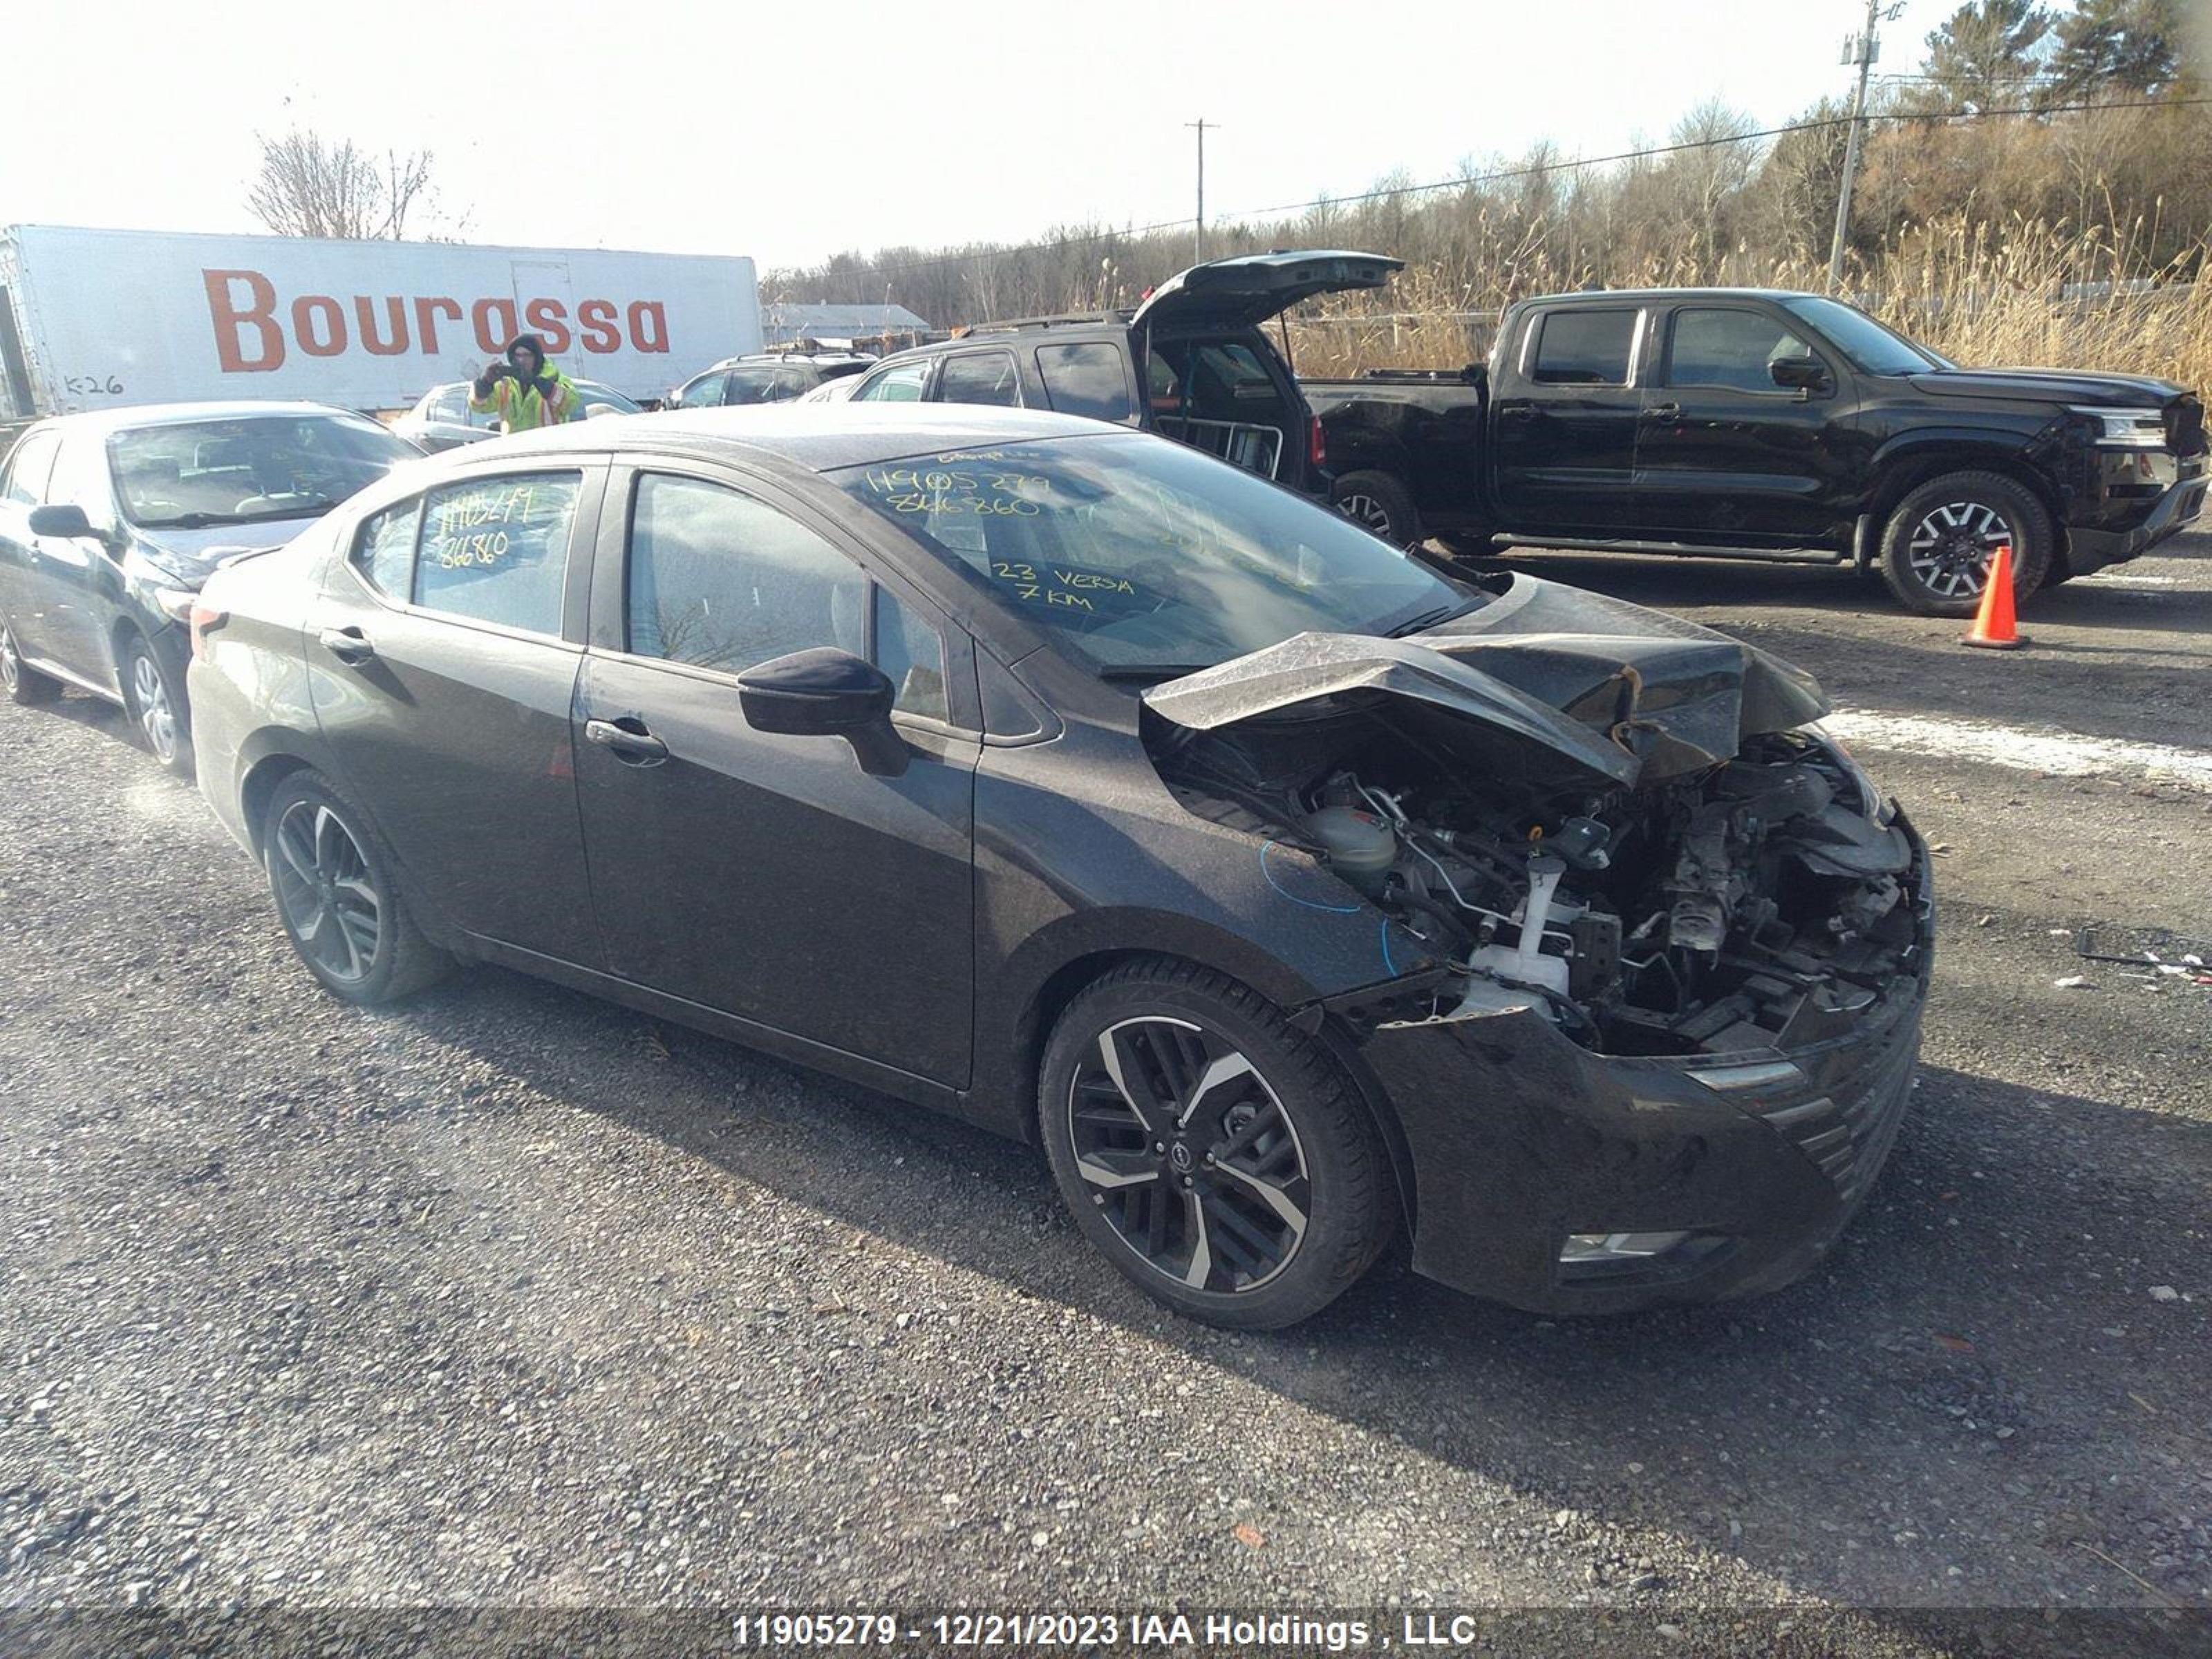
(1146,557)
(980,377)
(449,407)
(1584,348)
(1085,380)
(1730,349)
(722,581)
(496,549)
(911,653)
(899,385)
(703,392)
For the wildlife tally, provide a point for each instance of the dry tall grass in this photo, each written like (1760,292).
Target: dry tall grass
(2025,294)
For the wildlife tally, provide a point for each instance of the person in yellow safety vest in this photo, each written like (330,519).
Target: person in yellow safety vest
(526,391)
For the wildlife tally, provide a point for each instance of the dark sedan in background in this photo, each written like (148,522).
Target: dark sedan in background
(1074,781)
(110,522)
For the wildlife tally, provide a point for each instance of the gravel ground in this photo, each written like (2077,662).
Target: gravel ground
(510,1298)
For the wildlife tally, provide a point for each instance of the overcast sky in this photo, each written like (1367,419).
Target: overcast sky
(788,132)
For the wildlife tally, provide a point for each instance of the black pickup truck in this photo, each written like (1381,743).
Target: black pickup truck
(1746,424)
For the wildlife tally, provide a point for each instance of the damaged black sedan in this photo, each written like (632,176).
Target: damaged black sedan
(1286,892)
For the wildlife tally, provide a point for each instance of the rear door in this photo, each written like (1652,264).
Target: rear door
(1724,455)
(442,658)
(1563,421)
(763,876)
(1241,292)
(23,488)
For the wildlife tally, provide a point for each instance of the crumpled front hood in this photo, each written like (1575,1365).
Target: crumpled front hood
(191,556)
(2051,385)
(1593,689)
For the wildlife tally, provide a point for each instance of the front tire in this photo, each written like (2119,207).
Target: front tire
(22,683)
(1936,548)
(1220,1159)
(339,897)
(1378,503)
(156,704)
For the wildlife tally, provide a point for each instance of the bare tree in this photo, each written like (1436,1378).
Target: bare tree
(308,186)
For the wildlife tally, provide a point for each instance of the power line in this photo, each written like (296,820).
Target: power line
(1534,170)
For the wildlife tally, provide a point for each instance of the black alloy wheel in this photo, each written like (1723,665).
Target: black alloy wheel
(1937,548)
(1379,504)
(1189,1154)
(329,899)
(338,899)
(1221,1159)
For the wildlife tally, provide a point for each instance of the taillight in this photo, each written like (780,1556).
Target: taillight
(1316,445)
(204,619)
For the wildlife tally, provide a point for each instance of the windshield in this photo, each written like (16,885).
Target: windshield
(196,473)
(1146,558)
(1873,349)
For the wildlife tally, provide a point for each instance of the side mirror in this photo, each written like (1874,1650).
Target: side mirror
(1799,374)
(826,693)
(62,521)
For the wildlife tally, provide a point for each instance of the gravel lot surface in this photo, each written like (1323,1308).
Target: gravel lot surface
(510,1297)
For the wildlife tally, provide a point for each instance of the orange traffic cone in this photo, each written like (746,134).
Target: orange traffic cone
(1994,626)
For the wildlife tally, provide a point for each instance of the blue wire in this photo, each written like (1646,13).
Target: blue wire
(1388,966)
(1266,847)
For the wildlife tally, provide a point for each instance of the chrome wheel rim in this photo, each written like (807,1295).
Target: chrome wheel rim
(11,668)
(1366,511)
(1189,1155)
(323,886)
(155,717)
(1951,546)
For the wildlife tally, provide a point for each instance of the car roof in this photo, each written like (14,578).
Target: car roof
(141,414)
(1601,295)
(815,437)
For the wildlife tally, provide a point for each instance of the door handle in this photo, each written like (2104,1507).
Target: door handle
(348,645)
(1663,412)
(628,740)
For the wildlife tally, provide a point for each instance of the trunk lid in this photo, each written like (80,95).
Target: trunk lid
(1245,290)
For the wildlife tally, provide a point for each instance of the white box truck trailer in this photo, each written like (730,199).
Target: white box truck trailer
(99,319)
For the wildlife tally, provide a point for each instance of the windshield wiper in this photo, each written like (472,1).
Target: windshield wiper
(189,522)
(1431,618)
(1151,670)
(307,506)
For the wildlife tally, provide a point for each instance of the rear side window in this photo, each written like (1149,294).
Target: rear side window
(30,466)
(496,549)
(723,581)
(1584,348)
(384,552)
(1085,380)
(980,377)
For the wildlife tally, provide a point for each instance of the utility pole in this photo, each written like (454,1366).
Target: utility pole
(1862,49)
(1198,240)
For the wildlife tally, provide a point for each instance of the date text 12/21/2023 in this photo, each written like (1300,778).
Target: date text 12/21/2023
(1129,1631)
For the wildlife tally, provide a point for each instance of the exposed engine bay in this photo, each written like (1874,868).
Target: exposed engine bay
(1633,880)
(1744,906)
